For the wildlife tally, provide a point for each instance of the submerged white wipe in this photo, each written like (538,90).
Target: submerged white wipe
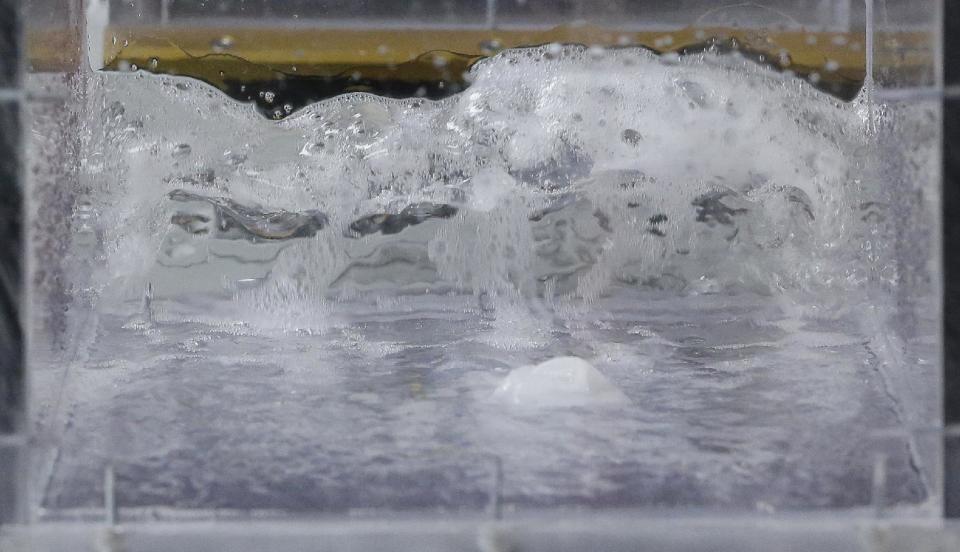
(558,382)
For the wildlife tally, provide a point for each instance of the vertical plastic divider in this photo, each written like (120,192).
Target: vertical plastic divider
(904,65)
(868,83)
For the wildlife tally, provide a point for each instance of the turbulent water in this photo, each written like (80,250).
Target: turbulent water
(317,313)
(571,170)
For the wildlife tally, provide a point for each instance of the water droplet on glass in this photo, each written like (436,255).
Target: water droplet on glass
(222,43)
(784,58)
(811,39)
(490,47)
(831,65)
(663,41)
(269,96)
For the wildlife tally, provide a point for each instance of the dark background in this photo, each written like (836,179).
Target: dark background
(951,252)
(11,370)
(11,339)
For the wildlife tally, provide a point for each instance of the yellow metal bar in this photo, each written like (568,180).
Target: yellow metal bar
(330,51)
(220,55)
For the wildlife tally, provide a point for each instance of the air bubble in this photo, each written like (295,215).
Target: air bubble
(631,136)
(181,151)
(670,58)
(234,159)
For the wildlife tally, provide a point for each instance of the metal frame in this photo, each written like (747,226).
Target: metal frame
(624,531)
(951,257)
(12,372)
(13,442)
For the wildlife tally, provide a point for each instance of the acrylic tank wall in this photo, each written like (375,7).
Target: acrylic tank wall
(627,261)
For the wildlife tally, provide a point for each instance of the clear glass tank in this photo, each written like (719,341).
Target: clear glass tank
(658,262)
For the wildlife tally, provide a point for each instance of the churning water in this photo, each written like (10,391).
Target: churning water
(616,278)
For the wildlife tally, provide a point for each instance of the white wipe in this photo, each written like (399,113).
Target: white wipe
(562,381)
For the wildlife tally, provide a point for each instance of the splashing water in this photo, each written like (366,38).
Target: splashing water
(558,169)
(701,233)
